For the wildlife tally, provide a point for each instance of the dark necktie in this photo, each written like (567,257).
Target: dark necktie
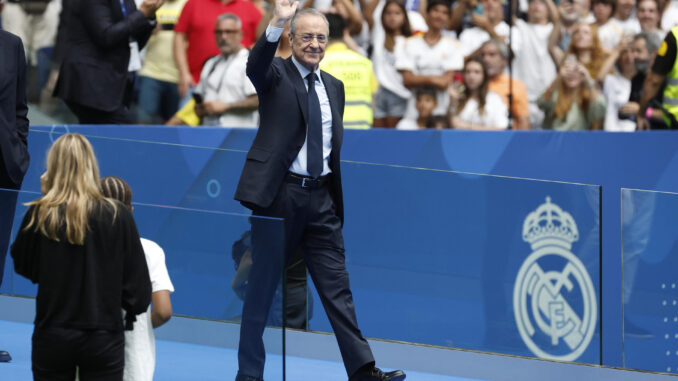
(314,145)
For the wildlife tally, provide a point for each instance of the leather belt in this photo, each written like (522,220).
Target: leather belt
(306,181)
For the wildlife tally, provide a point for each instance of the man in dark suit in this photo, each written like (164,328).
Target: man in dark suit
(13,134)
(103,39)
(292,171)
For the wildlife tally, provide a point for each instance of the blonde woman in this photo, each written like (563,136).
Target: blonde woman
(83,251)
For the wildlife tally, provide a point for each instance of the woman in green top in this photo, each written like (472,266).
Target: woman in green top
(573,101)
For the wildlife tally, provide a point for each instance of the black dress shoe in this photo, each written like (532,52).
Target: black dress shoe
(376,374)
(5,357)
(240,377)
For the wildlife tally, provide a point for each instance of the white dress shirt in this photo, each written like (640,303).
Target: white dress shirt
(299,164)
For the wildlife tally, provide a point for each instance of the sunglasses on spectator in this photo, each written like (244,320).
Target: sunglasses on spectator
(226,31)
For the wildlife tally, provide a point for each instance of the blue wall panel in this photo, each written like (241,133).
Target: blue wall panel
(641,160)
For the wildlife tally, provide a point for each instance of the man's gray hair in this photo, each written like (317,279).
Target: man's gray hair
(500,45)
(652,40)
(229,16)
(309,12)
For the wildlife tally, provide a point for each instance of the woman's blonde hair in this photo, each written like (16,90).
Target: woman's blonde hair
(70,189)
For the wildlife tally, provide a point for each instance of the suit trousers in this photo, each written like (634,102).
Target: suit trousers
(99,355)
(310,222)
(8,197)
(121,115)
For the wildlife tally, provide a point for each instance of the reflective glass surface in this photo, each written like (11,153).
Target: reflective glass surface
(650,281)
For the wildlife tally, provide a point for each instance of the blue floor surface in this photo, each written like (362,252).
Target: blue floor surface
(190,362)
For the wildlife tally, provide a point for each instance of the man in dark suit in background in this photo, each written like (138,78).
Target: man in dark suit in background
(13,134)
(292,171)
(103,40)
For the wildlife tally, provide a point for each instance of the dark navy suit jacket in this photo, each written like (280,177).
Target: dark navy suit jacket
(94,69)
(283,110)
(13,111)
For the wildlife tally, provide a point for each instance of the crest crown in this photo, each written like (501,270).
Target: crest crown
(550,225)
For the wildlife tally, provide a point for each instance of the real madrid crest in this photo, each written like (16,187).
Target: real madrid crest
(554,300)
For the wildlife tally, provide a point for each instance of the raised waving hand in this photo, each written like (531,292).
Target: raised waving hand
(284,10)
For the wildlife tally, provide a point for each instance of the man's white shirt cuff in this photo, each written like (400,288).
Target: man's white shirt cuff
(273,33)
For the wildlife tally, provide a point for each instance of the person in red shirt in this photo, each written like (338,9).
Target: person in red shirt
(194,41)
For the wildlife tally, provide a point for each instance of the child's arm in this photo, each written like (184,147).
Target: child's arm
(162,308)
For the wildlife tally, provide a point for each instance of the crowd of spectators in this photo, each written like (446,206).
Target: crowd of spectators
(406,64)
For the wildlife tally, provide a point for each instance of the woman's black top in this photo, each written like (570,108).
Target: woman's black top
(84,286)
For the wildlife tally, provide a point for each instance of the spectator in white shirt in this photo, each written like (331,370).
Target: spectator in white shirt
(625,17)
(224,96)
(392,96)
(669,14)
(430,59)
(488,25)
(477,107)
(609,32)
(584,8)
(617,89)
(532,63)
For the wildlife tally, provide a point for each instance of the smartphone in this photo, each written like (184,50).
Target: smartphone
(197,97)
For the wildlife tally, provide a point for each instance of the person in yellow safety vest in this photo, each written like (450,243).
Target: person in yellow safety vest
(355,71)
(665,67)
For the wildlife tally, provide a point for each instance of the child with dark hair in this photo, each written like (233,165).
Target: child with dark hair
(140,342)
(426,103)
(438,122)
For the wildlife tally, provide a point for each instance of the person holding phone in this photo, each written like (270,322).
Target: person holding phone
(224,96)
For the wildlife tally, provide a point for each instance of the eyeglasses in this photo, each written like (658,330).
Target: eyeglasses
(308,37)
(226,31)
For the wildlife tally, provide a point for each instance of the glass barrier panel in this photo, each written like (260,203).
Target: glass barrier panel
(210,261)
(649,280)
(469,261)
(446,248)
(159,173)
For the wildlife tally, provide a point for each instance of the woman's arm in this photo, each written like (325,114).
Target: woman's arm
(611,59)
(555,51)
(368,7)
(24,250)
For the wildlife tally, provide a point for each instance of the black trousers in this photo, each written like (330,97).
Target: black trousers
(310,222)
(99,355)
(121,115)
(8,197)
(88,115)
